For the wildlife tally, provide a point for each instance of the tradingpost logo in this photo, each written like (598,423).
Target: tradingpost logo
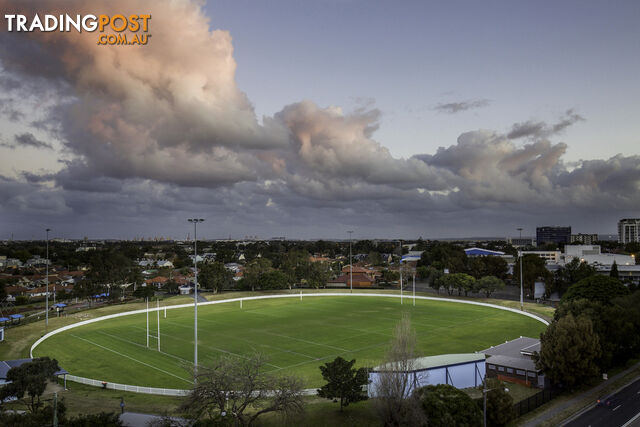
(118,29)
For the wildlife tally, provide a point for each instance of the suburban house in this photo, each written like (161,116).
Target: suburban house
(359,280)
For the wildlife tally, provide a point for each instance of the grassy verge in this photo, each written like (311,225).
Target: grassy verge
(322,412)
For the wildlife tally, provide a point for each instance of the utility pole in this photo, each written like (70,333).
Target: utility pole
(521,285)
(195,222)
(47,284)
(350,262)
(55,409)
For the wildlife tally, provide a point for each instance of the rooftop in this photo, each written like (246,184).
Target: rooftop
(442,360)
(518,348)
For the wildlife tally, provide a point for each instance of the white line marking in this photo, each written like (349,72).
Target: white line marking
(261,345)
(206,346)
(628,423)
(616,408)
(144,346)
(305,341)
(132,358)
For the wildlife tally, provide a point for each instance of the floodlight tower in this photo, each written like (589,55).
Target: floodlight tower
(350,262)
(521,286)
(195,222)
(46,322)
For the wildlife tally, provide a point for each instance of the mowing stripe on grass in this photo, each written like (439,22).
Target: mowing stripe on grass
(131,358)
(207,346)
(145,347)
(231,337)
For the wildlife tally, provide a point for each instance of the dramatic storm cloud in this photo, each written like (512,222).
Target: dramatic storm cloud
(150,134)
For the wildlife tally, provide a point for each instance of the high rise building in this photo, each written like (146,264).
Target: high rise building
(629,230)
(553,235)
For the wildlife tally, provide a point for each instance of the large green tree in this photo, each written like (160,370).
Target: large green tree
(344,382)
(571,273)
(215,276)
(254,271)
(274,280)
(446,406)
(489,284)
(596,288)
(488,266)
(443,255)
(29,379)
(569,351)
(457,281)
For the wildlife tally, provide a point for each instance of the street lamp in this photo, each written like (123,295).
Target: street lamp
(521,286)
(350,263)
(46,322)
(195,222)
(485,390)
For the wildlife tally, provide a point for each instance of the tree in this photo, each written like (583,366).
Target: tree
(489,284)
(144,292)
(616,324)
(274,280)
(214,276)
(533,268)
(254,271)
(344,382)
(443,255)
(596,288)
(31,379)
(614,271)
(458,281)
(422,273)
(488,266)
(445,405)
(569,351)
(394,403)
(499,403)
(317,274)
(389,276)
(233,386)
(571,273)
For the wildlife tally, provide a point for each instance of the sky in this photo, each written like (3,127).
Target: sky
(308,119)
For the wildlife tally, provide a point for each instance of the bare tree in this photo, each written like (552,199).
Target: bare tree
(395,403)
(239,389)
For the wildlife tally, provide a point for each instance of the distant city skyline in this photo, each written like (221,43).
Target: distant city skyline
(307,119)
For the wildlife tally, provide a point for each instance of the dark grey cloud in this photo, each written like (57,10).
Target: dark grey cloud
(27,139)
(457,107)
(538,129)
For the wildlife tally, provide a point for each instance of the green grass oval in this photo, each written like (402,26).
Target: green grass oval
(297,336)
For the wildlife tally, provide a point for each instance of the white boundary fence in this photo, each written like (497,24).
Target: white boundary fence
(179,392)
(126,387)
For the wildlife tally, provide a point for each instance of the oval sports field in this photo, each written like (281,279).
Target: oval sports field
(296,335)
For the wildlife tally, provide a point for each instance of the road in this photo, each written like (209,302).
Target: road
(624,410)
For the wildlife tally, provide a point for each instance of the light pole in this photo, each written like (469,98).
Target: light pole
(521,286)
(195,222)
(414,288)
(46,322)
(350,263)
(485,390)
